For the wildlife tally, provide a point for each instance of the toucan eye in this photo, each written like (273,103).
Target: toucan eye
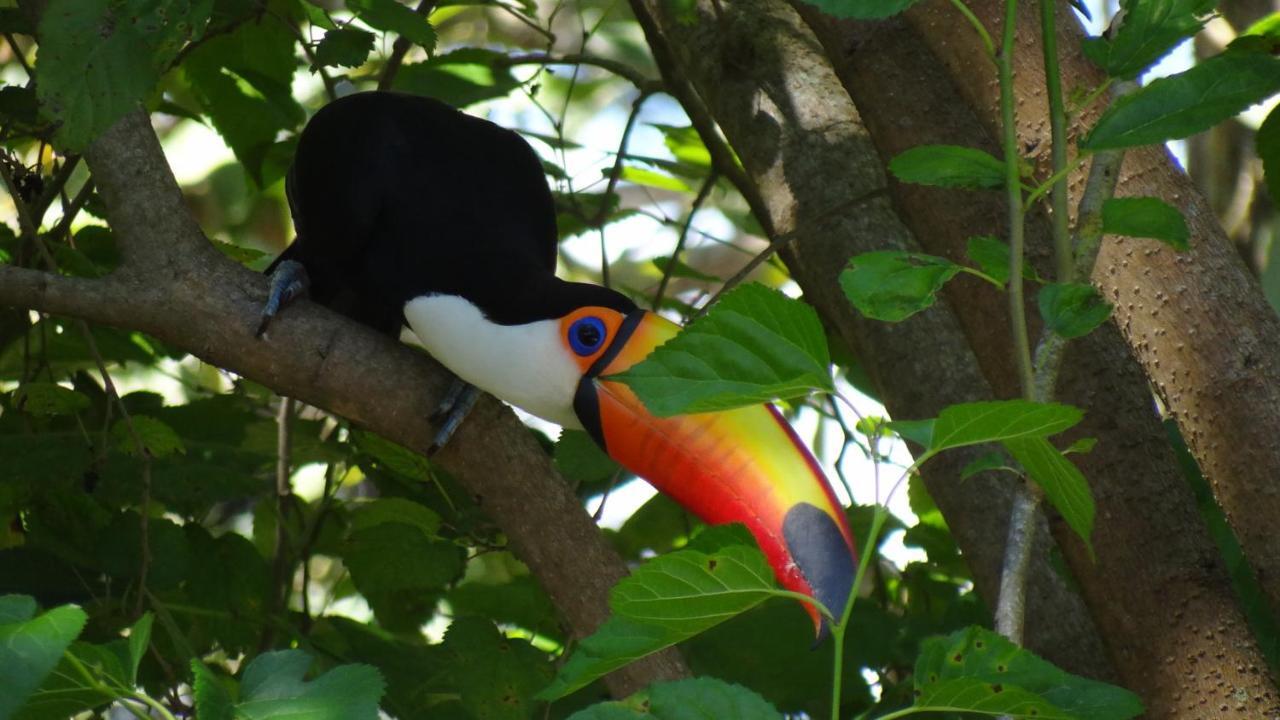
(586,335)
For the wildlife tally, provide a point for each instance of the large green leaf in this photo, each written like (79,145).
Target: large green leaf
(616,643)
(1063,484)
(695,699)
(981,422)
(30,647)
(755,345)
(978,671)
(273,689)
(1151,28)
(581,460)
(691,591)
(460,78)
(892,285)
(1146,217)
(1187,103)
(1072,309)
(344,47)
(495,676)
(100,58)
(949,166)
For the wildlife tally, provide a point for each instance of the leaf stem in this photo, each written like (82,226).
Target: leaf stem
(1058,200)
(838,629)
(977,25)
(1013,190)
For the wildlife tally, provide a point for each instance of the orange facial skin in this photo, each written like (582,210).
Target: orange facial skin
(745,465)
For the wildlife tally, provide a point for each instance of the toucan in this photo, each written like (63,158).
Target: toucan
(409,212)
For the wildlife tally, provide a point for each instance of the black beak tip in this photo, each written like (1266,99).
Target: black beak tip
(824,557)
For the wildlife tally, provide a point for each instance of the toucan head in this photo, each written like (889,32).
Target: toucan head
(745,465)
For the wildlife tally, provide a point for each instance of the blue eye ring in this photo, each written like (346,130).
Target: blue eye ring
(586,335)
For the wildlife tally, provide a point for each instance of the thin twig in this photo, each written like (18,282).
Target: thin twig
(401,48)
(622,70)
(703,193)
(17,53)
(280,575)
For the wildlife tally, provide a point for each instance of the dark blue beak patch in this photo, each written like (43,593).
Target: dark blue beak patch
(819,549)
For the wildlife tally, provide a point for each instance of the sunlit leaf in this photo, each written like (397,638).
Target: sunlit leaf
(893,285)
(949,166)
(1187,103)
(400,19)
(1145,217)
(691,591)
(1151,28)
(1072,309)
(755,345)
(1063,484)
(980,422)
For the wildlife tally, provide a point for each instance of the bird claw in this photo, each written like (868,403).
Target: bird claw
(452,410)
(288,281)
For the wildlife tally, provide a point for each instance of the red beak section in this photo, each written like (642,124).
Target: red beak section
(745,465)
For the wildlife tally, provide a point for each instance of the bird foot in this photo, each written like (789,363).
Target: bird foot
(288,281)
(453,409)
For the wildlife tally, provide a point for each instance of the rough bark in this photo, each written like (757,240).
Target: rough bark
(1158,581)
(812,174)
(1196,322)
(173,285)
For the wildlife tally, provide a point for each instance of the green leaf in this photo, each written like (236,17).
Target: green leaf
(273,689)
(65,691)
(980,422)
(1151,28)
(654,179)
(893,285)
(862,9)
(690,591)
(213,701)
(46,398)
(395,510)
(1063,484)
(949,166)
(1187,103)
(495,676)
(990,255)
(1072,309)
(393,17)
(580,459)
(976,670)
(755,345)
(460,78)
(685,143)
(100,58)
(680,269)
(1268,142)
(139,639)
(1146,217)
(983,463)
(616,643)
(158,439)
(392,456)
(344,47)
(30,648)
(695,699)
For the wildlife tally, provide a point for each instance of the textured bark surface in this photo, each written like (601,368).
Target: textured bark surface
(1158,581)
(813,173)
(1196,322)
(175,286)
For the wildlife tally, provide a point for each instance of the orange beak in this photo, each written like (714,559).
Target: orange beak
(745,465)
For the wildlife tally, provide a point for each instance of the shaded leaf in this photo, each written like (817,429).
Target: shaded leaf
(983,463)
(616,643)
(893,285)
(157,438)
(581,460)
(949,166)
(393,17)
(273,688)
(46,398)
(460,78)
(1151,28)
(30,647)
(1145,217)
(980,422)
(495,676)
(977,670)
(395,510)
(1187,103)
(1063,484)
(100,58)
(755,345)
(344,47)
(1072,309)
(695,699)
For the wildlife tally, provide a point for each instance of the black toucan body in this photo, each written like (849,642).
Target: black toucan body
(411,213)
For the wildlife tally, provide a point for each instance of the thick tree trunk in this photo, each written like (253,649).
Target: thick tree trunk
(175,286)
(1158,582)
(1196,322)
(813,175)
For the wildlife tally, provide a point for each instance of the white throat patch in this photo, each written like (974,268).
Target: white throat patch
(525,365)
